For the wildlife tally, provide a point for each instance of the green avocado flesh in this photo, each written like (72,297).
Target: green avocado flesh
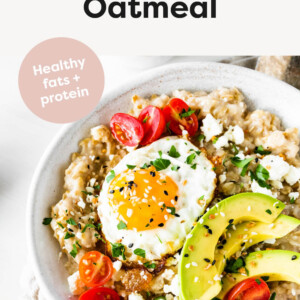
(199,278)
(278,265)
(251,233)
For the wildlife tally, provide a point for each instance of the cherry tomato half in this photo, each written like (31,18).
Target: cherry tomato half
(126,129)
(250,289)
(180,116)
(101,293)
(95,269)
(153,122)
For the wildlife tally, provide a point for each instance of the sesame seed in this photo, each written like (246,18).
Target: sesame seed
(194,264)
(161,203)
(249,208)
(222,214)
(187,265)
(196,279)
(149,187)
(166,217)
(271,225)
(201,221)
(145,180)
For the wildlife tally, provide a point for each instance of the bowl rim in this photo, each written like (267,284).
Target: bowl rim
(137,80)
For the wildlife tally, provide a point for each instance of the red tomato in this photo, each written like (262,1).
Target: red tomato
(95,269)
(153,122)
(178,113)
(249,289)
(101,293)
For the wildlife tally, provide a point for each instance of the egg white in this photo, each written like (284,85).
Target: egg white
(192,184)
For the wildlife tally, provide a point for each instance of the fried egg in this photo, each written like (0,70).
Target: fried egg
(151,199)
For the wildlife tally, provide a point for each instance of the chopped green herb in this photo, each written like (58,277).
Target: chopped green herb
(168,127)
(87,193)
(47,221)
(194,166)
(71,221)
(99,225)
(268,211)
(88,226)
(190,158)
(117,250)
(215,140)
(160,153)
(161,164)
(172,210)
(234,148)
(60,225)
(130,167)
(261,150)
(140,252)
(69,235)
(233,265)
(175,168)
(261,175)
(201,198)
(292,201)
(241,163)
(185,113)
(265,278)
(159,239)
(122,225)
(145,166)
(149,265)
(273,296)
(97,187)
(146,119)
(258,281)
(77,244)
(74,251)
(173,152)
(110,176)
(200,137)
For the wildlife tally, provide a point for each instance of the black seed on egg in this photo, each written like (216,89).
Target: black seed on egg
(160,224)
(112,191)
(70,229)
(79,225)
(243,244)
(294,257)
(231,221)
(130,245)
(151,220)
(152,174)
(121,189)
(186,255)
(209,231)
(220,247)
(207,260)
(214,261)
(177,215)
(224,242)
(206,226)
(166,193)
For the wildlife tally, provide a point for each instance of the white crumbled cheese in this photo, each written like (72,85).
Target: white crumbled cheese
(211,127)
(76,286)
(89,189)
(92,181)
(222,177)
(294,195)
(270,241)
(241,155)
(184,132)
(277,184)
(276,166)
(81,203)
(129,212)
(117,265)
(96,132)
(256,188)
(135,296)
(293,175)
(173,287)
(235,134)
(221,142)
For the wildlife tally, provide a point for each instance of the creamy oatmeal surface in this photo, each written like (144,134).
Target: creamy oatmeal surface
(227,128)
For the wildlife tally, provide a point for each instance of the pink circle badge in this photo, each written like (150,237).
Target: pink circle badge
(61,80)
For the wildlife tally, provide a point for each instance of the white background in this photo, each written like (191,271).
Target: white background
(243,27)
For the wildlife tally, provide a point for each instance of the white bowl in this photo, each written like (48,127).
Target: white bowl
(46,189)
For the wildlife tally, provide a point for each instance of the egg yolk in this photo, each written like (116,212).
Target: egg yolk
(143,198)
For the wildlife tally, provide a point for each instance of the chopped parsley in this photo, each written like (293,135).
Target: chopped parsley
(159,239)
(233,265)
(110,176)
(60,225)
(234,148)
(185,114)
(173,152)
(261,150)
(292,201)
(273,296)
(47,221)
(140,252)
(215,140)
(121,225)
(265,278)
(146,119)
(194,166)
(130,167)
(175,168)
(172,210)
(200,137)
(160,164)
(144,166)
(149,265)
(268,211)
(261,175)
(87,226)
(86,193)
(190,158)
(97,187)
(117,250)
(258,281)
(168,127)
(69,235)
(74,251)
(241,163)
(71,221)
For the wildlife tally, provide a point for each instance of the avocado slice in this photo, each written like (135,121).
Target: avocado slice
(278,265)
(251,233)
(199,278)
